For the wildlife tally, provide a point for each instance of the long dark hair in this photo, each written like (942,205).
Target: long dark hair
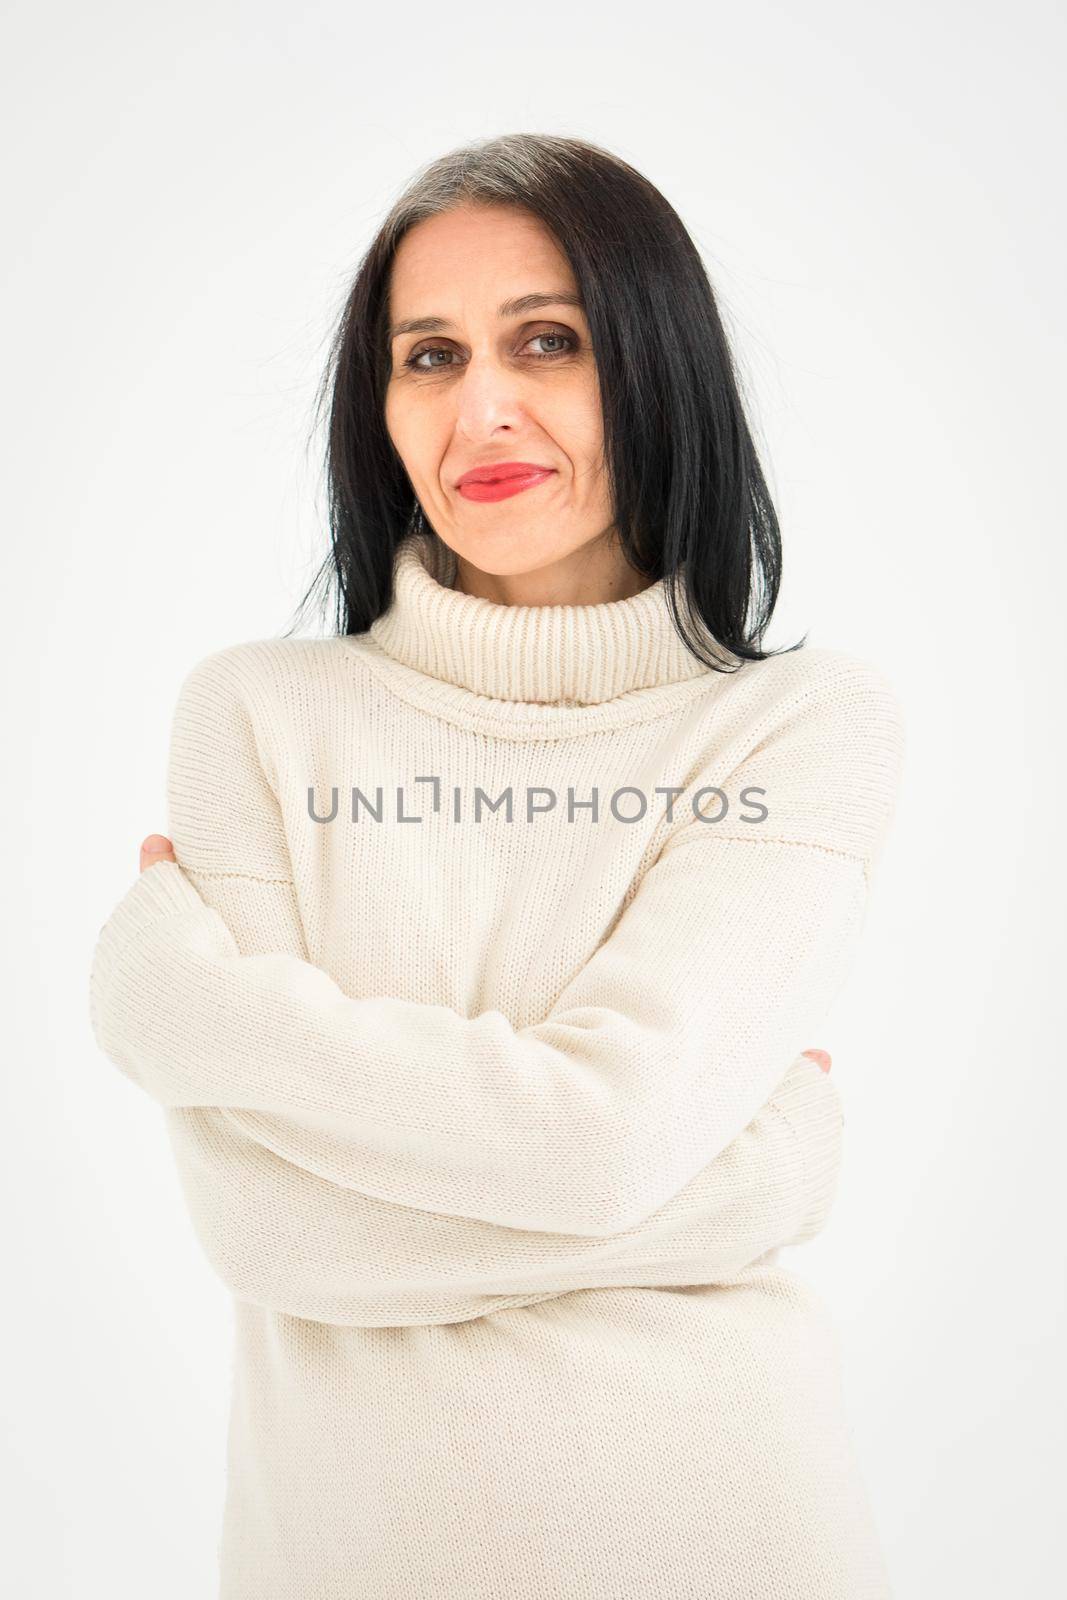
(690,500)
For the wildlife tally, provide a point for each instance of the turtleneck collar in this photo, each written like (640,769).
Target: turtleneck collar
(558,655)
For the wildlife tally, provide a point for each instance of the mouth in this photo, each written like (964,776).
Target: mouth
(497,483)
(497,471)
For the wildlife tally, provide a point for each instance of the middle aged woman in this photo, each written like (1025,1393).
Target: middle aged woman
(495,1124)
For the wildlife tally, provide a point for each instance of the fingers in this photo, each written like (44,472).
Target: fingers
(820,1056)
(156,848)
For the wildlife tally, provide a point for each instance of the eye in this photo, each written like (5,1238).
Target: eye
(566,337)
(415,358)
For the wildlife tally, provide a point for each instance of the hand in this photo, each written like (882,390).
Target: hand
(156,848)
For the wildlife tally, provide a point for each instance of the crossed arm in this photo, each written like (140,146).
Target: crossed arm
(282,1232)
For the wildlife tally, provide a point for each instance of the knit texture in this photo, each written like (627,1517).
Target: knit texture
(475,1005)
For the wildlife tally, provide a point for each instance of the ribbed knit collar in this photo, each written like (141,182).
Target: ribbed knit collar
(562,655)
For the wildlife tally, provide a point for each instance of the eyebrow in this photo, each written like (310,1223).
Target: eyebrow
(510,308)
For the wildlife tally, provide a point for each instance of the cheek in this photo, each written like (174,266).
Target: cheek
(409,441)
(582,433)
(393,422)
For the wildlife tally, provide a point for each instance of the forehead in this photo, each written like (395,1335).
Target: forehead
(472,255)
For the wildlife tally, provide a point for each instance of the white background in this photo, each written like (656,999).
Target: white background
(877,194)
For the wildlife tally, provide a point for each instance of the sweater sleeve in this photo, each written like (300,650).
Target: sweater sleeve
(290,1240)
(652,1061)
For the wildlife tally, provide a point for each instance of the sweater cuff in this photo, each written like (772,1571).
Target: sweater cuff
(161,890)
(809,1102)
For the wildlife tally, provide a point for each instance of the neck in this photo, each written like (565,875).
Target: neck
(595,573)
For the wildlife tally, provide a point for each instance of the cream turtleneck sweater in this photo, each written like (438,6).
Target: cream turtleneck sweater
(475,1005)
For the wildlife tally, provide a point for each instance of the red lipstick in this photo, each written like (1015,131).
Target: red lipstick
(501,479)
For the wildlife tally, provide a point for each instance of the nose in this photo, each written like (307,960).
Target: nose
(489,396)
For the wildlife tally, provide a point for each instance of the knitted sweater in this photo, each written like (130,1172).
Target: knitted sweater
(475,1004)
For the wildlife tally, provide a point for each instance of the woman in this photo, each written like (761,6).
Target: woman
(475,983)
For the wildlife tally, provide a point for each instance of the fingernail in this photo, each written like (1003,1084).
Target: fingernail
(820,1056)
(154,845)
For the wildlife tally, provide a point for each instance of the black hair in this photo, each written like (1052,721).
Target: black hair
(690,500)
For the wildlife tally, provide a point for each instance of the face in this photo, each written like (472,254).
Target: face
(487,384)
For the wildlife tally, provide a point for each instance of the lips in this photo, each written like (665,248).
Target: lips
(499,482)
(500,472)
